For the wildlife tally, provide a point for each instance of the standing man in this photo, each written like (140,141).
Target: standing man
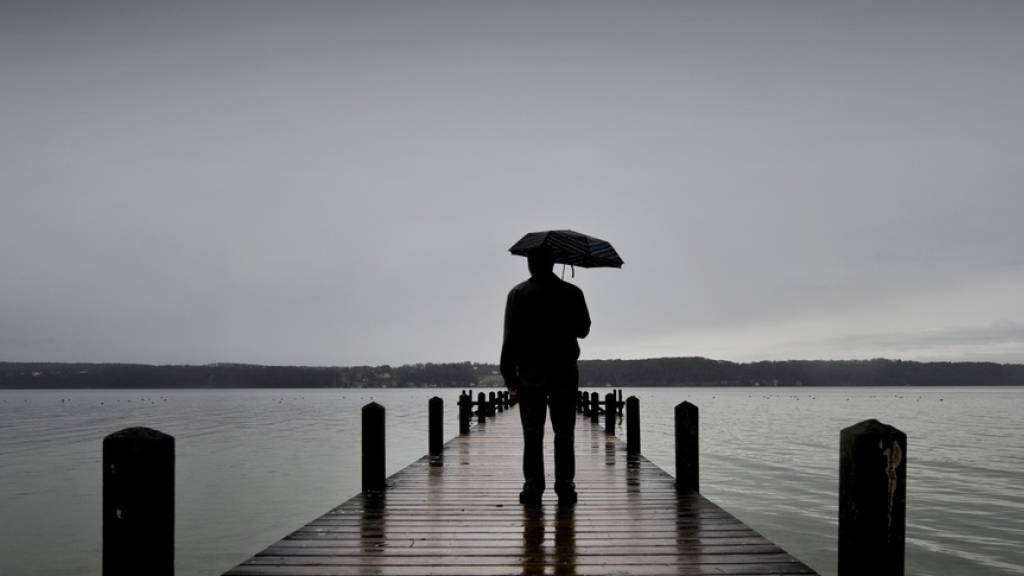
(543,318)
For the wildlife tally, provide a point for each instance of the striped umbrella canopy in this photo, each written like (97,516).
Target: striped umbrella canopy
(571,248)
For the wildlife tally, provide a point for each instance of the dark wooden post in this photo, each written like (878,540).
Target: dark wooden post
(481,408)
(609,413)
(585,401)
(491,404)
(465,412)
(138,503)
(373,448)
(436,425)
(632,426)
(595,408)
(619,403)
(687,457)
(872,499)
(500,401)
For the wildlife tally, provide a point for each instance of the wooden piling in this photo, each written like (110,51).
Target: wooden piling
(436,425)
(465,412)
(481,408)
(687,457)
(595,408)
(138,503)
(609,413)
(618,402)
(585,403)
(373,448)
(492,409)
(872,499)
(633,426)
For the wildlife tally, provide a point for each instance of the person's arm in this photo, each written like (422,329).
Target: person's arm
(582,327)
(509,370)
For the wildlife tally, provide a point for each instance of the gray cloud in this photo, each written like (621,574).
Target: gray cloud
(995,342)
(338,183)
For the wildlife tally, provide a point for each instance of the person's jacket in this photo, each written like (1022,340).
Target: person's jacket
(543,318)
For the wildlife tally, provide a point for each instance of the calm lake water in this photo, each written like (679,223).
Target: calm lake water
(253,465)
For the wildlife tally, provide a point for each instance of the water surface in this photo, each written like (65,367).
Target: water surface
(253,465)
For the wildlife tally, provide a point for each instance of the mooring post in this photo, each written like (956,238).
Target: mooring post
(138,503)
(481,408)
(595,408)
(373,448)
(872,499)
(492,409)
(499,401)
(618,402)
(609,413)
(633,426)
(465,412)
(585,402)
(436,425)
(687,457)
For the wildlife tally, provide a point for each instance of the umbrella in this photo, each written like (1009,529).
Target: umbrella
(570,248)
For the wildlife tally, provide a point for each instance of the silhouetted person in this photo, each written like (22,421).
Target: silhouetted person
(543,318)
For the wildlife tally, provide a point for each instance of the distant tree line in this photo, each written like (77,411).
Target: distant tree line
(617,373)
(877,372)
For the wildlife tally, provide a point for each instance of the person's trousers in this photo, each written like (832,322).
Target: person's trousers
(533,407)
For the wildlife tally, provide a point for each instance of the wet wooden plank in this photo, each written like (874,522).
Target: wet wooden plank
(463,517)
(542,567)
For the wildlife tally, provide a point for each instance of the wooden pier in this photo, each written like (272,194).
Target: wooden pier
(457,513)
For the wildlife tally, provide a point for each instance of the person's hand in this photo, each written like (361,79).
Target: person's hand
(513,389)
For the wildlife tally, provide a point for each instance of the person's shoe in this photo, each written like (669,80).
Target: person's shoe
(531,497)
(566,493)
(567,498)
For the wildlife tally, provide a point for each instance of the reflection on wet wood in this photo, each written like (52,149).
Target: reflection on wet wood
(461,516)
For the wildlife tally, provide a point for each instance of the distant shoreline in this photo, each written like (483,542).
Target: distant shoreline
(652,372)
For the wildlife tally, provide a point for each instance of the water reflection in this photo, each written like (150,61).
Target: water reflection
(609,450)
(564,557)
(689,534)
(372,528)
(561,558)
(533,540)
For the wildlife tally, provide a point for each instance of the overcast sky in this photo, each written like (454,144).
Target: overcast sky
(338,183)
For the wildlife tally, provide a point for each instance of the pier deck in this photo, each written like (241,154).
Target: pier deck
(460,515)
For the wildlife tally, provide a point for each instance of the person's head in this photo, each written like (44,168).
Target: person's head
(540,261)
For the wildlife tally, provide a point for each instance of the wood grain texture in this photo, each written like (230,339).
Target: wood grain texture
(459,515)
